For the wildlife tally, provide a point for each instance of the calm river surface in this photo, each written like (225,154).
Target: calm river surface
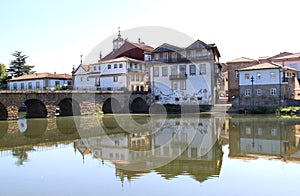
(151,155)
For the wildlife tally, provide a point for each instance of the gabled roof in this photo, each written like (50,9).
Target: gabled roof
(126,47)
(262,66)
(42,76)
(281,54)
(121,59)
(287,57)
(242,60)
(167,48)
(198,44)
(86,68)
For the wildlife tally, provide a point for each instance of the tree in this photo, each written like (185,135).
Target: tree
(3,76)
(18,66)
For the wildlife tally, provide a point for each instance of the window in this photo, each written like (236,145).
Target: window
(81,79)
(108,66)
(174,56)
(174,70)
(202,69)
(156,71)
(259,131)
(248,130)
(273,91)
(174,85)
(272,74)
(22,86)
(135,66)
(99,67)
(156,56)
(247,76)
(87,79)
(57,83)
(115,78)
(182,85)
(182,69)
(273,132)
(95,68)
(192,70)
(115,66)
(164,71)
(120,65)
(258,92)
(29,85)
(132,77)
(137,78)
(165,55)
(37,85)
(247,92)
(141,67)
(258,75)
(15,86)
(236,74)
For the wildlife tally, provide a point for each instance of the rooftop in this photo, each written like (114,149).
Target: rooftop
(242,60)
(262,66)
(41,76)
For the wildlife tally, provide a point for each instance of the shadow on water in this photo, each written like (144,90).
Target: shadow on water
(3,128)
(32,128)
(67,125)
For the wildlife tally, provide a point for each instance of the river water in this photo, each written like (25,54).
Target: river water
(196,154)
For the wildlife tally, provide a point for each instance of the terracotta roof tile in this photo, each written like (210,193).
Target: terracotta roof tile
(262,66)
(242,60)
(120,59)
(42,75)
(291,56)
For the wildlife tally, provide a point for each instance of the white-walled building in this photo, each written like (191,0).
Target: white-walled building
(267,84)
(185,75)
(121,73)
(40,81)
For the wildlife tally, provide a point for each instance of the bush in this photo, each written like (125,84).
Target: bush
(264,110)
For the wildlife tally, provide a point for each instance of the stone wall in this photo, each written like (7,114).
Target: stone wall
(233,83)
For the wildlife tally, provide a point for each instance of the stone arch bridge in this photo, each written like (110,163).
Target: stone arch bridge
(42,104)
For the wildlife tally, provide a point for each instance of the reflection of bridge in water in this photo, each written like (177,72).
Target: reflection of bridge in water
(171,146)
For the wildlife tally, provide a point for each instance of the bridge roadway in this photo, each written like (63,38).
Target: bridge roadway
(41,104)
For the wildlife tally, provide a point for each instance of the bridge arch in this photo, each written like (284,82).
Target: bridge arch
(69,107)
(3,112)
(35,109)
(111,105)
(139,105)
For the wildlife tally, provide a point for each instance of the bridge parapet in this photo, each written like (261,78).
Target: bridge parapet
(45,103)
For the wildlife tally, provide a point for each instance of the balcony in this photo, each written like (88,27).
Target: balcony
(178,77)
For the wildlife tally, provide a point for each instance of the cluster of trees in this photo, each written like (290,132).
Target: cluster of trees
(17,68)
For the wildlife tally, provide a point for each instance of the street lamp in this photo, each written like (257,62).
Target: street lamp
(252,103)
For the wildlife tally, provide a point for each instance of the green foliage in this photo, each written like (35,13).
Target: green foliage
(18,65)
(289,110)
(3,76)
(264,110)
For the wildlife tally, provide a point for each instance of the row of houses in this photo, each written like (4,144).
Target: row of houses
(174,75)
(180,75)
(268,81)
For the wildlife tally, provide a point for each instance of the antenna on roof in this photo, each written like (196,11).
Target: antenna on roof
(81,59)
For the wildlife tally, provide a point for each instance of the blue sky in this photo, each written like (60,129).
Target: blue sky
(55,33)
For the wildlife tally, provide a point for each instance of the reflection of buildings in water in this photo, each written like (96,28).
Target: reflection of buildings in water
(265,136)
(190,146)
